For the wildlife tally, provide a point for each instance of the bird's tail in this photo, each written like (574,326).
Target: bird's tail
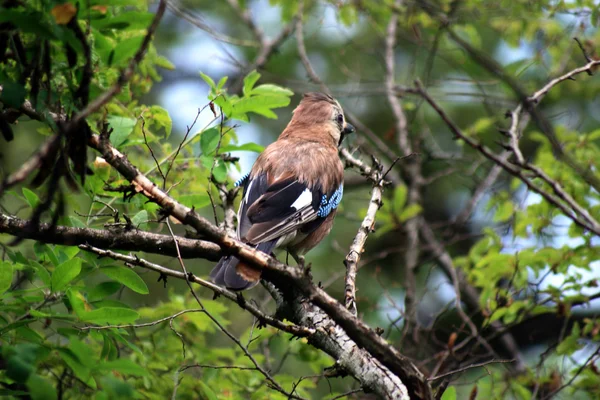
(237,275)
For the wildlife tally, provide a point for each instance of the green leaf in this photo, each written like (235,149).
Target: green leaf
(249,82)
(122,128)
(123,20)
(12,93)
(140,220)
(571,343)
(257,148)
(209,394)
(209,81)
(449,393)
(409,212)
(103,290)
(32,199)
(504,211)
(82,351)
(221,83)
(116,388)
(194,200)
(77,301)
(42,273)
(41,389)
(220,171)
(164,62)
(161,117)
(45,253)
(65,273)
(270,89)
(111,316)
(521,391)
(127,277)
(209,141)
(124,366)
(399,199)
(261,105)
(348,14)
(77,366)
(19,361)
(6,275)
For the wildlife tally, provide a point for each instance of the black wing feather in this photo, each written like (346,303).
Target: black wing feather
(276,203)
(266,213)
(253,189)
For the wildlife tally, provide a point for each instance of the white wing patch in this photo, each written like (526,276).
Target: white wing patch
(305,199)
(248,191)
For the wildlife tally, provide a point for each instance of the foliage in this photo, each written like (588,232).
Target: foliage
(528,262)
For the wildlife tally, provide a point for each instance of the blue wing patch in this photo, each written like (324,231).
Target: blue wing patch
(242,180)
(329,204)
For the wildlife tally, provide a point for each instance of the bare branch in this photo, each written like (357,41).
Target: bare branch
(245,16)
(400,117)
(358,244)
(312,74)
(537,96)
(186,367)
(35,162)
(572,210)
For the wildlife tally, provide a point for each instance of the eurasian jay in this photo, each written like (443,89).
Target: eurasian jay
(291,194)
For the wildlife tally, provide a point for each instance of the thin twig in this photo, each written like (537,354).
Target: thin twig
(238,367)
(164,178)
(468,367)
(143,325)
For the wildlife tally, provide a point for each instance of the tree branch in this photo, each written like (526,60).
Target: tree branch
(583,219)
(295,330)
(117,239)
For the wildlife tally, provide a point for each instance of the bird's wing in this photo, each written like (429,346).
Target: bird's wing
(271,210)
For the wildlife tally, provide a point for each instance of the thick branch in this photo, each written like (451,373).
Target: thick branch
(332,339)
(117,239)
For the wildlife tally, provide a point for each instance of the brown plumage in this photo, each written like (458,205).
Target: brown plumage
(293,189)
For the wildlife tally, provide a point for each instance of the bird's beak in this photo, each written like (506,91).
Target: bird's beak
(348,129)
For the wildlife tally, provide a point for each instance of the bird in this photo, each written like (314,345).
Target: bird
(291,194)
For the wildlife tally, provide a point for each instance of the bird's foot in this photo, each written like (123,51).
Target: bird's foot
(300,261)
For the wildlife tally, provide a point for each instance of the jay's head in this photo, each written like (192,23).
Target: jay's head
(319,117)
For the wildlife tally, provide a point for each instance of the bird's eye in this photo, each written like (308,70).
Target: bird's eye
(340,119)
